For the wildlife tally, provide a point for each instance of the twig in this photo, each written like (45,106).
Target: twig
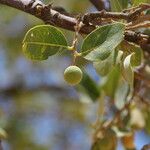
(141,25)
(140,77)
(139,20)
(137,38)
(128,16)
(73,47)
(109,123)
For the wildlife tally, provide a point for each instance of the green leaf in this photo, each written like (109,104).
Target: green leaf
(107,142)
(118,5)
(103,67)
(137,2)
(110,82)
(127,70)
(121,94)
(101,42)
(137,57)
(43,41)
(90,87)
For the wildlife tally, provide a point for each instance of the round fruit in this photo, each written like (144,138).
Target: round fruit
(73,75)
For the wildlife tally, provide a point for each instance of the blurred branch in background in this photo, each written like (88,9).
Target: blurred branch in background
(100,4)
(1,145)
(14,89)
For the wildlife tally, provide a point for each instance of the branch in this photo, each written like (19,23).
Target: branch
(20,88)
(50,16)
(139,39)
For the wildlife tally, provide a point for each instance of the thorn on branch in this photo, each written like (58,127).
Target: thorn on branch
(46,14)
(35,7)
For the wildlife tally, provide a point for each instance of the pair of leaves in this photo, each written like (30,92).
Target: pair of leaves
(43,41)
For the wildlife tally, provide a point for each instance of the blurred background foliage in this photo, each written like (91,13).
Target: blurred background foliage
(38,110)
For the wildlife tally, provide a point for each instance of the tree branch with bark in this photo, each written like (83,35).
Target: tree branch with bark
(49,15)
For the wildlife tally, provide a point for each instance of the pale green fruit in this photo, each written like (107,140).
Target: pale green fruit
(73,75)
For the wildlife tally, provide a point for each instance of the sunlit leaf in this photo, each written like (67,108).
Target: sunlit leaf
(101,42)
(119,57)
(127,70)
(43,41)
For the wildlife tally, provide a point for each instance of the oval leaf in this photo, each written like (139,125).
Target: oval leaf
(128,73)
(42,41)
(99,44)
